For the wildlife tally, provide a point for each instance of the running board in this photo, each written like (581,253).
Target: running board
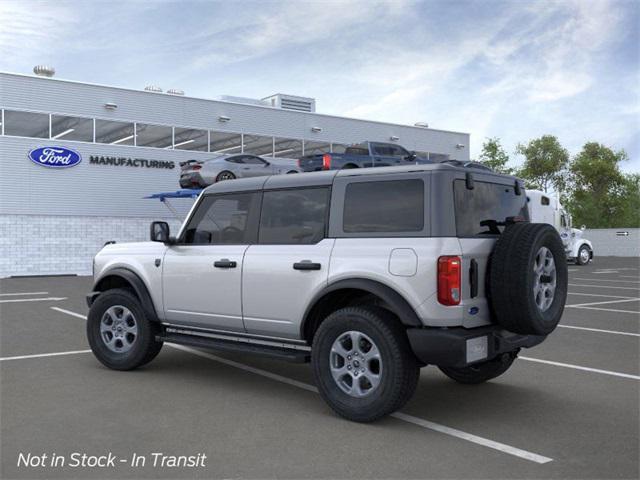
(279,353)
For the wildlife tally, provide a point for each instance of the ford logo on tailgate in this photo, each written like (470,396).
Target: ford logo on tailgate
(55,157)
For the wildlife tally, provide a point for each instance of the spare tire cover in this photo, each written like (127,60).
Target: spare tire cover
(528,278)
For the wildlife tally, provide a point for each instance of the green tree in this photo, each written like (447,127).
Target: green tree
(545,163)
(494,156)
(601,196)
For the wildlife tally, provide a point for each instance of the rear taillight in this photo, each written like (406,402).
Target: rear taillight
(326,161)
(449,281)
(299,163)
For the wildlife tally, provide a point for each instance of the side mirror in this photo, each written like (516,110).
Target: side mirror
(266,164)
(159,232)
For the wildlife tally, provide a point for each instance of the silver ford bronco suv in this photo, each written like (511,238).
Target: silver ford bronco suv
(369,274)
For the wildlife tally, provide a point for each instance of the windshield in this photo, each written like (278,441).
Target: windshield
(484,210)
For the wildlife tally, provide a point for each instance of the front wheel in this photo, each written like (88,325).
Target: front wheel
(480,372)
(363,364)
(584,255)
(119,333)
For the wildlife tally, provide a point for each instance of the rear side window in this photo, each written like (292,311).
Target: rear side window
(295,216)
(384,206)
(478,211)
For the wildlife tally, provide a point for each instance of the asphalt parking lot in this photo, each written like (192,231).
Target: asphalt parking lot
(568,408)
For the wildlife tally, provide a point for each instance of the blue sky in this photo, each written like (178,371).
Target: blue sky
(514,70)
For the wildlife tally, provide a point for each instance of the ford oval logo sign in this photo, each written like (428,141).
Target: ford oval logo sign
(55,157)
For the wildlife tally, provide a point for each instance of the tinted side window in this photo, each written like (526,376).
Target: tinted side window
(487,203)
(385,206)
(296,216)
(224,219)
(253,160)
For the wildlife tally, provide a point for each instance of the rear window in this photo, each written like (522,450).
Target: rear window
(385,206)
(478,211)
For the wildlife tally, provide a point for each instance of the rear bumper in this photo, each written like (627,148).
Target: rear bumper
(459,347)
(191,180)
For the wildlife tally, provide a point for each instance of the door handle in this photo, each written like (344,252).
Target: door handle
(224,263)
(306,265)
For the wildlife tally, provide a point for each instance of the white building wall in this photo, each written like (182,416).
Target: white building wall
(613,241)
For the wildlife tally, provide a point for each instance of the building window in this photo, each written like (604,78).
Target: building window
(287,148)
(191,139)
(293,216)
(258,145)
(26,124)
(438,157)
(223,142)
(114,133)
(314,148)
(71,128)
(157,136)
(384,206)
(339,148)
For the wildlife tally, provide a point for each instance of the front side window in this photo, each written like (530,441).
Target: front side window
(294,216)
(384,206)
(484,210)
(251,160)
(223,220)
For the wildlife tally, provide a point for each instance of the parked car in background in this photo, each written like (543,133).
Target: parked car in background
(361,155)
(202,173)
(544,208)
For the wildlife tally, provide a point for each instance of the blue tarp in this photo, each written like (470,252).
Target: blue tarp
(185,193)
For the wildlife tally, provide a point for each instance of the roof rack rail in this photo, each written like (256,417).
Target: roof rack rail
(468,164)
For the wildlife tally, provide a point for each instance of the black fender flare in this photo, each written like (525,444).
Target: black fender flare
(397,303)
(136,283)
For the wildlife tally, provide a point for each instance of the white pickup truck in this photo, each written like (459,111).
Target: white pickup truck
(543,208)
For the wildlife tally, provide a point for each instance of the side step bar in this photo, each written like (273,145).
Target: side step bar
(286,354)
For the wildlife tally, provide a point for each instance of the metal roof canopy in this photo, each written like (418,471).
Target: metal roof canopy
(184,193)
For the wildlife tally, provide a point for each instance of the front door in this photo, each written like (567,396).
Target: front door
(202,273)
(290,262)
(253,166)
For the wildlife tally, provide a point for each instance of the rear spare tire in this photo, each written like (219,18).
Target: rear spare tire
(528,278)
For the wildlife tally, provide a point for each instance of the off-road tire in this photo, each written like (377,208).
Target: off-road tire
(480,372)
(145,347)
(512,279)
(399,375)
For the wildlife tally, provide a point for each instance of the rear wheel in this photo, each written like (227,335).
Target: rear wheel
(225,175)
(584,255)
(481,372)
(119,333)
(362,363)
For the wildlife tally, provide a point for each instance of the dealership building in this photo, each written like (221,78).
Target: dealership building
(127,144)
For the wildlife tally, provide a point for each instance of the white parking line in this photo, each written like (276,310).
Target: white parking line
(606,280)
(23,293)
(597,295)
(485,442)
(48,299)
(604,302)
(628,276)
(579,367)
(633,312)
(600,330)
(605,272)
(40,355)
(68,312)
(508,449)
(605,286)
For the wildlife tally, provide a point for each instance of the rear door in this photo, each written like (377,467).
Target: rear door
(254,166)
(479,217)
(290,262)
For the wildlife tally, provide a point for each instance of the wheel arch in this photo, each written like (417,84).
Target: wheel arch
(124,278)
(346,292)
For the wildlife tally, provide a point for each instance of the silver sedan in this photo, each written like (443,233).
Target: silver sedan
(202,173)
